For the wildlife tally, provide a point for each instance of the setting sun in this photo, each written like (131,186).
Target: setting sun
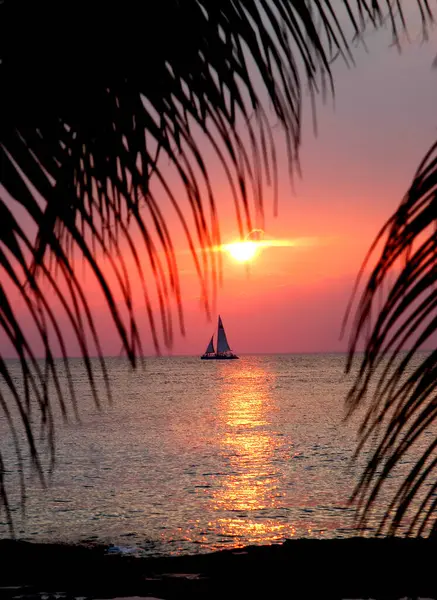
(242,251)
(246,250)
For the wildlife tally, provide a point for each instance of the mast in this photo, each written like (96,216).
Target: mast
(222,342)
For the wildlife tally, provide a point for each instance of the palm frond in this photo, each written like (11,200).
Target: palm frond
(99,112)
(403,384)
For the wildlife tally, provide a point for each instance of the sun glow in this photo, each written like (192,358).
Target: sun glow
(242,251)
(246,250)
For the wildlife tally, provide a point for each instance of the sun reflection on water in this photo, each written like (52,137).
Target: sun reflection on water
(248,498)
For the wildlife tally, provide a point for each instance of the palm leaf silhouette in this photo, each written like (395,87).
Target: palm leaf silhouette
(404,405)
(95,108)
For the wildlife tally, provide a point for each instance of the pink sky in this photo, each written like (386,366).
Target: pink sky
(353,176)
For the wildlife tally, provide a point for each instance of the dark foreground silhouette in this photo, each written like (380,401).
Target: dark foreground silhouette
(349,568)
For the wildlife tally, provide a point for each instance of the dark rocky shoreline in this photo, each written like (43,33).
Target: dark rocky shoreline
(305,568)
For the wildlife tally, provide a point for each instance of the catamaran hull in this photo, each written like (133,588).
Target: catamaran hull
(219,357)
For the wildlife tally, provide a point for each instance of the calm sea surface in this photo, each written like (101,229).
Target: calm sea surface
(198,455)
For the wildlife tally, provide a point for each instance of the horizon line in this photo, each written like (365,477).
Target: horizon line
(283,353)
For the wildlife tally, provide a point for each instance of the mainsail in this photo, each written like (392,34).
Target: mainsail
(222,342)
(210,349)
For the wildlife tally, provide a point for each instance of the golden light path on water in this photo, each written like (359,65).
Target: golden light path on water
(247,441)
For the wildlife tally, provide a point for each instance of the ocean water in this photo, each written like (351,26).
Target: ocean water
(194,456)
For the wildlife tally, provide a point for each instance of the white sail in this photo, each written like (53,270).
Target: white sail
(222,342)
(210,349)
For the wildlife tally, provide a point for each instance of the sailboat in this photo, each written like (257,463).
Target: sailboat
(224,352)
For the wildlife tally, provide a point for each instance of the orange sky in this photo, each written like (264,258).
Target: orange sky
(353,176)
